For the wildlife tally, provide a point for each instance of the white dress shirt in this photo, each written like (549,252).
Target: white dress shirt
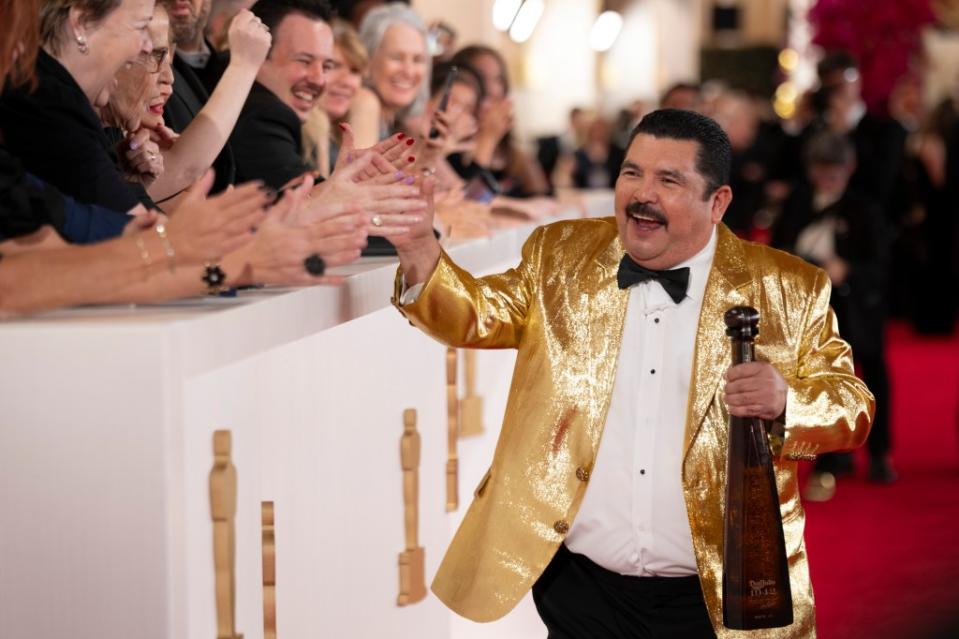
(633,517)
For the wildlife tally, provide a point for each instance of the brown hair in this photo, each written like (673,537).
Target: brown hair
(18,48)
(348,41)
(55,13)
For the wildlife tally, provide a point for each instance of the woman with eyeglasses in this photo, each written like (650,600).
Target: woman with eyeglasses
(152,262)
(126,114)
(137,102)
(54,128)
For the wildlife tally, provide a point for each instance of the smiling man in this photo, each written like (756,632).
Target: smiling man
(605,492)
(267,140)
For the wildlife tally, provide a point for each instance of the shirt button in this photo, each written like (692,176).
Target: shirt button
(656,320)
(652,372)
(561,526)
(642,471)
(582,474)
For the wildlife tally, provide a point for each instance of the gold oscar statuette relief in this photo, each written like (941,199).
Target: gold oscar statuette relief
(412,560)
(223,512)
(471,406)
(452,433)
(269,571)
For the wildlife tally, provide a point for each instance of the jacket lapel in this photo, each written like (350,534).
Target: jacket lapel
(607,316)
(728,278)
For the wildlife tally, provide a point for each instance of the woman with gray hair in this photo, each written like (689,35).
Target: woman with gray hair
(398,76)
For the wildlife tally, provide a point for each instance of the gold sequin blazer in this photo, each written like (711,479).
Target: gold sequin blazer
(562,310)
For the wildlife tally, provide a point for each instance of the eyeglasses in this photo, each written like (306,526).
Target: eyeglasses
(154,60)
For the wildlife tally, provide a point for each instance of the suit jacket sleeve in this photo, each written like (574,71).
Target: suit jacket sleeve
(827,407)
(469,312)
(266,146)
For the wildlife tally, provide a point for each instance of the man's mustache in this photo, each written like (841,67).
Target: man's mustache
(308,86)
(636,208)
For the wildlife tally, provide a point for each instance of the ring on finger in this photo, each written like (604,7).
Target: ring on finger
(314,265)
(377,221)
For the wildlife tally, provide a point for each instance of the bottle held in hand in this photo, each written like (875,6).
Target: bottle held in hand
(756,592)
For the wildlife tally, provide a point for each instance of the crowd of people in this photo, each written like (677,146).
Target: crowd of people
(153,150)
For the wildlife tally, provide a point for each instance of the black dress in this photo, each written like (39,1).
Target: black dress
(57,135)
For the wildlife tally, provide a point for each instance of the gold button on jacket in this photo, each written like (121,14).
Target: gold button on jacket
(563,312)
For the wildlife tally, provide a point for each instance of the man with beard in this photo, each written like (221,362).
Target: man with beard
(188,21)
(605,495)
(197,70)
(267,140)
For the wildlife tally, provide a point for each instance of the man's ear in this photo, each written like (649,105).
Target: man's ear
(721,199)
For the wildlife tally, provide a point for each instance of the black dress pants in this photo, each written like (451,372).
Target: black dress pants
(578,599)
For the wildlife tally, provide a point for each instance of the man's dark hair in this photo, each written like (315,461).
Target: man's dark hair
(678,86)
(828,149)
(272,12)
(835,63)
(714,157)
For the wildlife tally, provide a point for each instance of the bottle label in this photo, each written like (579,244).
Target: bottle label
(759,541)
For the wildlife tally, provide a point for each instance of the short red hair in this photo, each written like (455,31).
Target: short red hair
(21,41)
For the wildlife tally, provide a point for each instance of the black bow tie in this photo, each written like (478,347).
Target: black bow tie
(675,282)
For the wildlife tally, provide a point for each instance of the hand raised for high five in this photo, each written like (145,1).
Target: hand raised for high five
(390,201)
(418,248)
(397,150)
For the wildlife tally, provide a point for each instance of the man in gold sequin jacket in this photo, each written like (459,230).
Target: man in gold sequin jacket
(565,312)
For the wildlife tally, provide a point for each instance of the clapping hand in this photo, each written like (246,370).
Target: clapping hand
(203,229)
(389,201)
(396,150)
(291,233)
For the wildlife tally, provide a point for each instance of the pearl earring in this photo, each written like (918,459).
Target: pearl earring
(82,45)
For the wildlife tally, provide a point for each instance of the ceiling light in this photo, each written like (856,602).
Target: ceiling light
(504,12)
(605,30)
(526,20)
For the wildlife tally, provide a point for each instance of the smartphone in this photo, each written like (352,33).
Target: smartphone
(445,98)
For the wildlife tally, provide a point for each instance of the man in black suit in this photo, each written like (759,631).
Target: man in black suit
(827,221)
(196,70)
(267,140)
(879,141)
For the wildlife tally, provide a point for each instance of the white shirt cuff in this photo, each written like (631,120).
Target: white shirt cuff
(411,294)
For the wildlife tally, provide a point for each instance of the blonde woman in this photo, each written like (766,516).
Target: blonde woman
(321,142)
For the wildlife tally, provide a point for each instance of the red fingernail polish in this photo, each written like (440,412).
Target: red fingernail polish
(409,142)
(400,136)
(411,159)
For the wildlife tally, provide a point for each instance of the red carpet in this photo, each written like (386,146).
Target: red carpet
(885,559)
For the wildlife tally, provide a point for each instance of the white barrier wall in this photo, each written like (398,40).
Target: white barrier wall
(106,449)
